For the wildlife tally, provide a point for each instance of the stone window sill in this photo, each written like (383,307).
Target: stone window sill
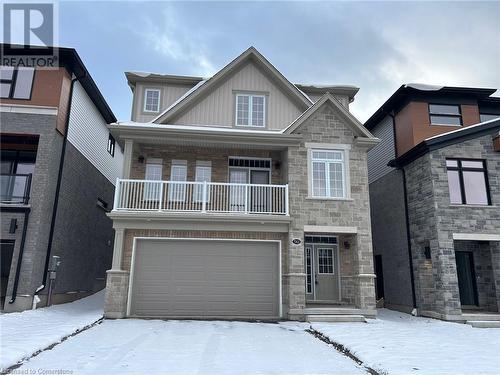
(330,199)
(473,205)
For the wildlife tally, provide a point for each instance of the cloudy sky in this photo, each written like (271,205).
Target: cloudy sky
(376,46)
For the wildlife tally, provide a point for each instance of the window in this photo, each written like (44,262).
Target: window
(151,100)
(250,110)
(487,117)
(154,170)
(178,172)
(325,261)
(203,174)
(467,181)
(16,83)
(328,174)
(444,114)
(111,145)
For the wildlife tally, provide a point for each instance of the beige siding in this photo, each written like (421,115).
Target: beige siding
(169,93)
(218,107)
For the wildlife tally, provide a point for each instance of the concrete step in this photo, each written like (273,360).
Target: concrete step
(482,317)
(331,311)
(335,318)
(484,323)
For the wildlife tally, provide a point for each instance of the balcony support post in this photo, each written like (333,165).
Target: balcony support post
(204,198)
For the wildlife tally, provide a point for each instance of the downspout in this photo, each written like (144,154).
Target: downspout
(20,256)
(56,198)
(407,220)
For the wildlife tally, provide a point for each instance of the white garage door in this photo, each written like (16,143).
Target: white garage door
(205,278)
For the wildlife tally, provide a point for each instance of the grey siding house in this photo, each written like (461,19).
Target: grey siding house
(434,194)
(244,196)
(59,168)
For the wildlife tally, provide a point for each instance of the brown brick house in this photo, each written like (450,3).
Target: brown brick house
(244,196)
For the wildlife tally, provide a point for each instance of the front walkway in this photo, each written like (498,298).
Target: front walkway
(134,346)
(24,333)
(397,343)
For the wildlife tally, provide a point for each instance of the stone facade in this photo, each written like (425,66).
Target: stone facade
(326,127)
(433,220)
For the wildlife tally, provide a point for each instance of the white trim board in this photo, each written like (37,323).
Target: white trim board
(330,229)
(19,108)
(476,237)
(134,246)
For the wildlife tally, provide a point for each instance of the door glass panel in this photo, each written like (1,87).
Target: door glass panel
(308,270)
(325,261)
(152,189)
(238,193)
(259,194)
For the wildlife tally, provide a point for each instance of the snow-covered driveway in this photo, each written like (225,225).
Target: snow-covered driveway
(24,333)
(135,346)
(401,344)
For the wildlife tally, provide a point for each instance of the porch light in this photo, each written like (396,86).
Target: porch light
(427,252)
(140,159)
(347,245)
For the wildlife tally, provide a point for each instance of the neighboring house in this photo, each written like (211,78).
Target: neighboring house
(245,196)
(435,200)
(59,167)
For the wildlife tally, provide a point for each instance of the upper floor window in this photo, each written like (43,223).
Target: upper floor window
(487,117)
(16,83)
(445,114)
(111,145)
(328,176)
(250,110)
(468,181)
(151,100)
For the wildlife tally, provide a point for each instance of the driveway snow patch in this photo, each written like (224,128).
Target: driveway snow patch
(24,333)
(398,343)
(136,346)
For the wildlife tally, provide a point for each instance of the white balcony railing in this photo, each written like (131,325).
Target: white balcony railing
(204,197)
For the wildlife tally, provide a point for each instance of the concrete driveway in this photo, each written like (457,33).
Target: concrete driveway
(136,346)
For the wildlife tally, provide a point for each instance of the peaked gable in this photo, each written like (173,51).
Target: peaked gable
(329,99)
(250,55)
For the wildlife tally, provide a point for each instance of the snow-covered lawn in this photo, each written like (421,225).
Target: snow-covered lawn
(24,333)
(135,346)
(399,343)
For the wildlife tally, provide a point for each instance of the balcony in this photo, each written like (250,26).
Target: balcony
(15,188)
(202,197)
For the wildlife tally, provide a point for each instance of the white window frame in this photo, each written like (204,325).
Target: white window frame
(344,149)
(152,191)
(176,197)
(250,106)
(146,100)
(329,248)
(198,190)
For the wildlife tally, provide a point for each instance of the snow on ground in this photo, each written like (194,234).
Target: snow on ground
(24,333)
(398,343)
(136,346)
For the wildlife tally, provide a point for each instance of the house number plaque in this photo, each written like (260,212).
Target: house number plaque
(296,241)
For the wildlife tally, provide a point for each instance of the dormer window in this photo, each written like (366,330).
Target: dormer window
(152,100)
(445,114)
(250,110)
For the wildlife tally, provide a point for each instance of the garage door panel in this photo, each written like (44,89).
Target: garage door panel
(200,278)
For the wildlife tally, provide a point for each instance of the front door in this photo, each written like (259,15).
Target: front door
(466,278)
(322,272)
(259,196)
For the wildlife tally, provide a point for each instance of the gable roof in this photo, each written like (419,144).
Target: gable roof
(347,116)
(447,139)
(251,54)
(409,90)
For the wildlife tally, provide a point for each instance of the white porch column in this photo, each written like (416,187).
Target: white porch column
(118,250)
(127,158)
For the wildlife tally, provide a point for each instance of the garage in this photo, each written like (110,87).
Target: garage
(190,278)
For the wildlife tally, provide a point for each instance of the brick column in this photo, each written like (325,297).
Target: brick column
(365,278)
(296,276)
(127,158)
(115,303)
(495,266)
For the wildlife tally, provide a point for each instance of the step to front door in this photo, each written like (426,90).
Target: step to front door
(335,318)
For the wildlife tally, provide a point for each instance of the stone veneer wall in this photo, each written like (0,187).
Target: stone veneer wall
(325,126)
(433,220)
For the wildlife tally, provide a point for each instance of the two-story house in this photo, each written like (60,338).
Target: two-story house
(435,202)
(244,196)
(59,167)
